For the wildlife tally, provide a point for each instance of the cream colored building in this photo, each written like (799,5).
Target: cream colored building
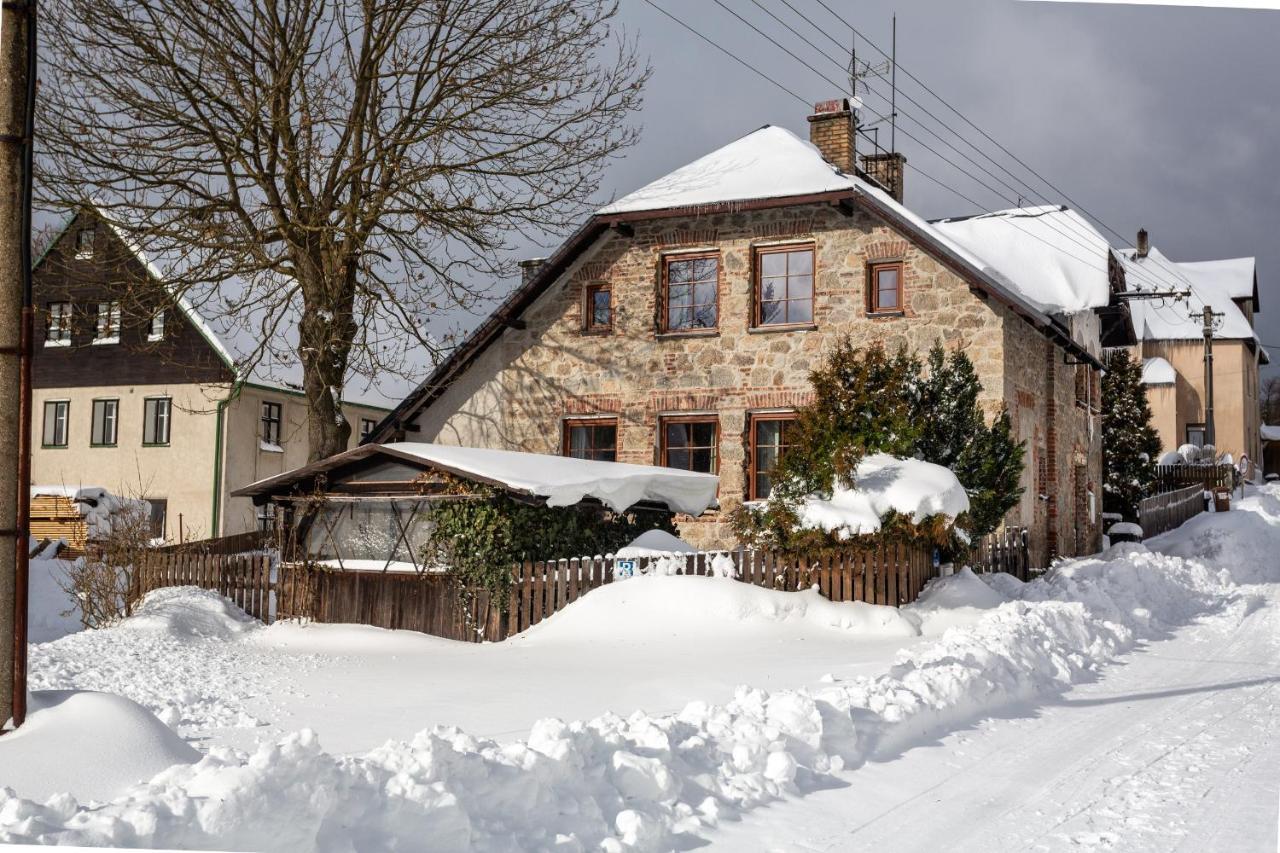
(135,392)
(1172,348)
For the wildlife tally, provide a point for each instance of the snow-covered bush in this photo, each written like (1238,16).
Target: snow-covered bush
(100,584)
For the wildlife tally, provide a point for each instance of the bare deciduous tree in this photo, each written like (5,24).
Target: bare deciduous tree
(1270,401)
(358,167)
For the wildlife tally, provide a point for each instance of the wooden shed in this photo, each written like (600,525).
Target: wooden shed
(58,516)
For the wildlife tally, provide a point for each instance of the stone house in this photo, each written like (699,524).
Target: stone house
(1170,343)
(678,325)
(137,392)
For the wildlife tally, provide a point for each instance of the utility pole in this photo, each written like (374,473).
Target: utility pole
(17,89)
(1208,317)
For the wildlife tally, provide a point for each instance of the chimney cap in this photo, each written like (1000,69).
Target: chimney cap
(835,106)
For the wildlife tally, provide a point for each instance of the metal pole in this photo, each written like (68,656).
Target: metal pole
(1208,377)
(17,91)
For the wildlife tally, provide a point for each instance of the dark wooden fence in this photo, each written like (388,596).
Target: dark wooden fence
(237,543)
(1163,512)
(246,579)
(439,604)
(1171,478)
(1007,550)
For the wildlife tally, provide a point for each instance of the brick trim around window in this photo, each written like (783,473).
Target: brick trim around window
(599,452)
(590,324)
(753,468)
(664,451)
(664,292)
(787,320)
(875,302)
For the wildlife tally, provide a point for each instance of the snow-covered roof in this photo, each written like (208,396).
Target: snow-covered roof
(1270,432)
(1050,255)
(561,480)
(771,162)
(1236,277)
(912,487)
(1157,371)
(1167,320)
(564,481)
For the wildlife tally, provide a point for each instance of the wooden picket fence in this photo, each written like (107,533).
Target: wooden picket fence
(1007,550)
(1163,512)
(1171,478)
(441,605)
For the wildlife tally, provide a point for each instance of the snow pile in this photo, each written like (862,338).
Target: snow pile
(654,543)
(1158,371)
(655,782)
(51,612)
(95,744)
(564,482)
(912,487)
(662,605)
(187,611)
(165,666)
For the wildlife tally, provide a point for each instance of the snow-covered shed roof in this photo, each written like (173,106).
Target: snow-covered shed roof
(1271,432)
(1167,320)
(1236,277)
(258,343)
(1050,254)
(768,167)
(560,480)
(1158,371)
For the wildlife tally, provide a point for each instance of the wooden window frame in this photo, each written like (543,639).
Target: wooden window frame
(757,277)
(589,325)
(115,422)
(268,422)
(568,424)
(168,421)
(753,418)
(873,290)
(664,306)
(66,424)
(155,326)
(84,253)
(666,420)
(365,432)
(1201,427)
(112,324)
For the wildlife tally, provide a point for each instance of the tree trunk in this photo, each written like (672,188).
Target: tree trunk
(325,334)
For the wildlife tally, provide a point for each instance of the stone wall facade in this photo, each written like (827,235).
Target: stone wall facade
(519,392)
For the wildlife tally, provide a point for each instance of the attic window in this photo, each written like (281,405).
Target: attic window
(108,327)
(84,243)
(155,329)
(598,308)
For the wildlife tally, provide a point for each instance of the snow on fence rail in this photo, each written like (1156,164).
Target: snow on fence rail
(438,604)
(1175,477)
(1163,512)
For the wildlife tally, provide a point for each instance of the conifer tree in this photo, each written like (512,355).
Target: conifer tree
(1130,444)
(953,432)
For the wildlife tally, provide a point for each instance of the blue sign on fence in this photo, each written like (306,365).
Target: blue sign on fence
(624,568)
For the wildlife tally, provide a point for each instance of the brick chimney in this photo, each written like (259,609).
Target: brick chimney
(831,129)
(1144,244)
(529,268)
(886,169)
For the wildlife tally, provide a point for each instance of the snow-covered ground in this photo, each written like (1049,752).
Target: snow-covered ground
(1123,702)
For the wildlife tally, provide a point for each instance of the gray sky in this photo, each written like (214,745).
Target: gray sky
(1157,117)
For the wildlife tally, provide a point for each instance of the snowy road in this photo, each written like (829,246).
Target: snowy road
(1175,748)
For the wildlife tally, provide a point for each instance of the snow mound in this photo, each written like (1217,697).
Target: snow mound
(188,611)
(47,602)
(651,782)
(654,543)
(912,487)
(91,745)
(697,606)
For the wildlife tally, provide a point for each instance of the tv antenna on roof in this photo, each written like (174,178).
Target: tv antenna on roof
(861,71)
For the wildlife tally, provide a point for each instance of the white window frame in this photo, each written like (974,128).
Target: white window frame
(62,326)
(62,415)
(83,254)
(108,333)
(155,328)
(166,419)
(110,415)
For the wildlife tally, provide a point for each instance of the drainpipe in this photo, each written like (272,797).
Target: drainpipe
(217,468)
